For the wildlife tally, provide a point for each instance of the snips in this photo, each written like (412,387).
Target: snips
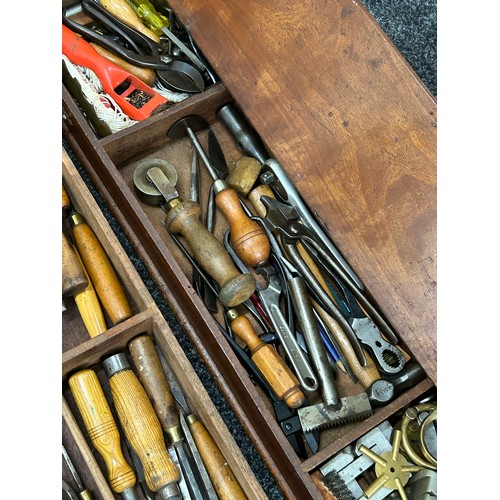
(361,328)
(172,71)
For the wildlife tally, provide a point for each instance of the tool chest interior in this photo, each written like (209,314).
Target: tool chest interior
(354,132)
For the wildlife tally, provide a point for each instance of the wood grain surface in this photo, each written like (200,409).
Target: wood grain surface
(354,128)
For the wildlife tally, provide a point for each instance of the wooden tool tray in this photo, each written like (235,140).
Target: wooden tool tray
(80,352)
(360,149)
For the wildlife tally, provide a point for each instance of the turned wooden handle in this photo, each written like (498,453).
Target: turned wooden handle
(243,174)
(148,367)
(125,13)
(273,368)
(74,279)
(223,479)
(367,374)
(148,76)
(209,252)
(143,429)
(89,306)
(102,274)
(248,238)
(102,428)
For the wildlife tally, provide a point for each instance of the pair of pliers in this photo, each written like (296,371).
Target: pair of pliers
(172,71)
(358,326)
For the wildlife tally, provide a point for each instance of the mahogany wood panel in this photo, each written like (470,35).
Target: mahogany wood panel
(355,129)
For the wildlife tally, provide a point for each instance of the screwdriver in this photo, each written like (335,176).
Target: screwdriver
(103,431)
(142,427)
(152,377)
(249,239)
(83,492)
(101,271)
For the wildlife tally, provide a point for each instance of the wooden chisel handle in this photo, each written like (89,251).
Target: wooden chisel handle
(254,196)
(184,218)
(272,367)
(223,479)
(367,374)
(102,274)
(153,378)
(101,427)
(74,279)
(142,427)
(125,13)
(148,76)
(89,307)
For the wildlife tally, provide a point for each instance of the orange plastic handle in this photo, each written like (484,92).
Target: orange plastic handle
(111,76)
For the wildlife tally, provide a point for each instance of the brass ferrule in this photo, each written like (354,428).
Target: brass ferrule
(76,218)
(174,434)
(191,419)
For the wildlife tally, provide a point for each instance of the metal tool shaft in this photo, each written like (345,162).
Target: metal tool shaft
(315,347)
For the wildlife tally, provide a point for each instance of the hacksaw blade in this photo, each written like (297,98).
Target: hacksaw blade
(352,408)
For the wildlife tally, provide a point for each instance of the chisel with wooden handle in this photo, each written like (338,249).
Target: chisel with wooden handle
(102,274)
(149,369)
(223,479)
(142,427)
(103,431)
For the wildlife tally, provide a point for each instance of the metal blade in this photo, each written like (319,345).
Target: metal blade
(216,156)
(352,408)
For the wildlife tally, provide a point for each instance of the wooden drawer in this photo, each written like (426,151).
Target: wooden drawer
(81,352)
(357,140)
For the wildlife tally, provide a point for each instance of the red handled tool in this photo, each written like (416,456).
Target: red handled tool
(135,98)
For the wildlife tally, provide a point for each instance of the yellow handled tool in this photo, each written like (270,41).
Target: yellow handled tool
(103,431)
(142,428)
(102,274)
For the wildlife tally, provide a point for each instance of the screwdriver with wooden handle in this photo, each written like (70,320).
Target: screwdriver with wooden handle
(223,479)
(100,270)
(125,13)
(142,428)
(148,367)
(103,431)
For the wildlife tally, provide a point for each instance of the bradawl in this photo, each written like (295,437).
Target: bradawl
(349,409)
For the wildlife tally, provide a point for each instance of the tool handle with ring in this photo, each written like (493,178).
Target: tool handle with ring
(142,427)
(102,429)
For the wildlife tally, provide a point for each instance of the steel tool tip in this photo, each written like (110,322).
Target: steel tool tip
(129,494)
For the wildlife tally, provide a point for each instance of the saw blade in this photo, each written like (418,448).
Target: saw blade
(352,408)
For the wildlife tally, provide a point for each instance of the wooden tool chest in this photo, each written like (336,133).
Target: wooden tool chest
(355,131)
